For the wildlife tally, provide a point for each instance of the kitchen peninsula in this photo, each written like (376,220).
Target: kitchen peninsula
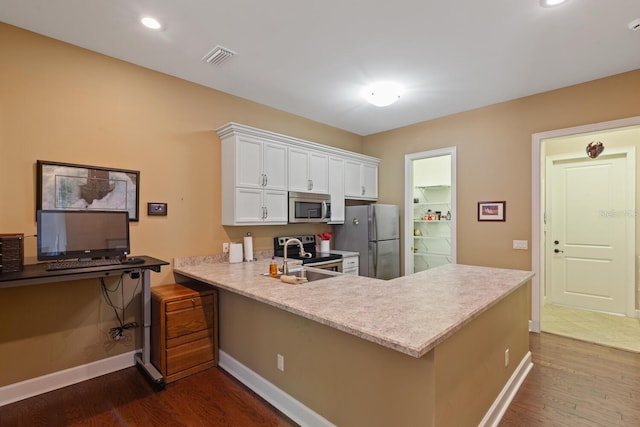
(445,346)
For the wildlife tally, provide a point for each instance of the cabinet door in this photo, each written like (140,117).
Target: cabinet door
(249,207)
(352,186)
(369,175)
(275,204)
(248,160)
(336,189)
(274,166)
(299,170)
(319,172)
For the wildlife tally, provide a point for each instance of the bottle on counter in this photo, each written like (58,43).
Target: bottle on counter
(448,215)
(273,267)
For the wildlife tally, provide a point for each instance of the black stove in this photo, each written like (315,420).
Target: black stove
(309,245)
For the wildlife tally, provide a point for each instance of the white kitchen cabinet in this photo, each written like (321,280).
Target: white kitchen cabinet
(308,171)
(336,189)
(256,206)
(361,180)
(350,264)
(254,180)
(260,164)
(259,168)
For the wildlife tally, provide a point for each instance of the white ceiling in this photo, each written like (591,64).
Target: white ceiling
(313,58)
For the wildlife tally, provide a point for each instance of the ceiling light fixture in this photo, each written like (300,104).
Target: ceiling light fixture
(551,3)
(383,93)
(150,22)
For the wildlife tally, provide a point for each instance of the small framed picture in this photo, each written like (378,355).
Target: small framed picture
(492,211)
(158,209)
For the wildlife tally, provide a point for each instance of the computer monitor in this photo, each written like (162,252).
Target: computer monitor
(91,234)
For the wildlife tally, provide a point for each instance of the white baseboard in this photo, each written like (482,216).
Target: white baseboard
(35,386)
(494,414)
(291,407)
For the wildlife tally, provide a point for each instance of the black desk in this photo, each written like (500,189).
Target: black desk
(34,274)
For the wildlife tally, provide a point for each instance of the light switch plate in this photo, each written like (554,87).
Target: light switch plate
(521,244)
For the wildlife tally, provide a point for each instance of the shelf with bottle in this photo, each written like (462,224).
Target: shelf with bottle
(432,237)
(437,254)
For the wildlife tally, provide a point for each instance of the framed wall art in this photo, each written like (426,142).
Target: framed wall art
(492,211)
(68,186)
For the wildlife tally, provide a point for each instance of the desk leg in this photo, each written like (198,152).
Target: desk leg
(143,360)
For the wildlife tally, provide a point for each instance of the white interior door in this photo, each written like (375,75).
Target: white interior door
(587,235)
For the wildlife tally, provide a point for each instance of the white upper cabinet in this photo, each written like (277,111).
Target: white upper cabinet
(336,189)
(259,167)
(308,171)
(260,164)
(361,180)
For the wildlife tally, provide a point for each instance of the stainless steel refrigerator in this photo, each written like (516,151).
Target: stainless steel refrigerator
(374,232)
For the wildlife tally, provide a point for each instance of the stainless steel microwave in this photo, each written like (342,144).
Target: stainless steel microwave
(309,207)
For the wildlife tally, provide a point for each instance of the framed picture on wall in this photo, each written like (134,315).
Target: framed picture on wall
(67,186)
(492,211)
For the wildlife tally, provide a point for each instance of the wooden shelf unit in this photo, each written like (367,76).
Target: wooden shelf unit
(184,329)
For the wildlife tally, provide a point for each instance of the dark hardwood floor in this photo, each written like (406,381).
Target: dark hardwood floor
(574,383)
(571,384)
(125,398)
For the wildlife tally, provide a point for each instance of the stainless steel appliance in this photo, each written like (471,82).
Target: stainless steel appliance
(309,207)
(325,261)
(374,232)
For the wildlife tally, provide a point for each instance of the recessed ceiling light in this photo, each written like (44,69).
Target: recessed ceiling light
(551,3)
(382,94)
(150,22)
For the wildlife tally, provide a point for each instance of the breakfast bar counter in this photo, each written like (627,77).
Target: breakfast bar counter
(447,346)
(411,314)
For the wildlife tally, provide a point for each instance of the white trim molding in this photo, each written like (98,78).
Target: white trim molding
(285,403)
(501,404)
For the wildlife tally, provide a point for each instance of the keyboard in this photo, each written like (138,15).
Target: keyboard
(67,265)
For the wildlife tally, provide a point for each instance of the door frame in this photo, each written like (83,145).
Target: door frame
(408,202)
(537,203)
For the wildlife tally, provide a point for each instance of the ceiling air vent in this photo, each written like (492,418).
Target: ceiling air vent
(218,55)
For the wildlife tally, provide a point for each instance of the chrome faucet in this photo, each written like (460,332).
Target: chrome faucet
(303,254)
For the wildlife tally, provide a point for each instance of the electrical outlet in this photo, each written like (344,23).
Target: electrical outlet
(225,248)
(506,358)
(281,362)
(521,244)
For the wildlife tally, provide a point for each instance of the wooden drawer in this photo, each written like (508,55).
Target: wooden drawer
(349,263)
(188,321)
(184,329)
(189,302)
(189,355)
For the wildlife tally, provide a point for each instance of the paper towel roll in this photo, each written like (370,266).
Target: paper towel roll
(235,252)
(248,248)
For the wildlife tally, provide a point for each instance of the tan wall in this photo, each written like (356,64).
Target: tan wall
(65,104)
(494,158)
(353,382)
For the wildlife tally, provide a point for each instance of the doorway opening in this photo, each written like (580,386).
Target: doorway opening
(430,209)
(584,229)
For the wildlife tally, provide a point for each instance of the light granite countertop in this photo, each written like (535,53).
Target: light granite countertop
(411,314)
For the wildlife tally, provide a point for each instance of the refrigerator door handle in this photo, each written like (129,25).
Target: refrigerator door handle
(373,251)
(373,234)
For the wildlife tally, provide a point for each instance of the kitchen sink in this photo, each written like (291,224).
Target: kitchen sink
(313,274)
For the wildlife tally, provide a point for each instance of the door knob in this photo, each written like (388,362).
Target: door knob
(558,251)
(555,242)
